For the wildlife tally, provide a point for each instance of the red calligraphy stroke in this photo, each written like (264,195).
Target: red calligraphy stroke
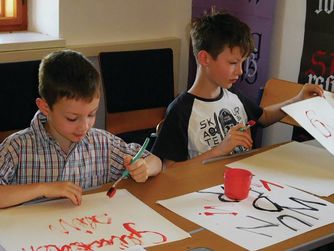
(266,185)
(324,129)
(316,61)
(216,211)
(130,238)
(85,224)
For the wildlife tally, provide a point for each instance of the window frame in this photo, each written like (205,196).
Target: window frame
(2,7)
(17,23)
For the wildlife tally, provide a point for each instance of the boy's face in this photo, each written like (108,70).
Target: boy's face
(70,119)
(226,69)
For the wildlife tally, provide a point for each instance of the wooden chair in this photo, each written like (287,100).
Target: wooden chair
(5,134)
(277,90)
(138,87)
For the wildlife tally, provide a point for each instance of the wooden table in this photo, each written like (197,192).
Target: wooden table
(178,181)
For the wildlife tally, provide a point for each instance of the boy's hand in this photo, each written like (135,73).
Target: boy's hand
(138,169)
(309,91)
(235,138)
(63,189)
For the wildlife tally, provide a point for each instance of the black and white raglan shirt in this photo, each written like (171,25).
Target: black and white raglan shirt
(194,125)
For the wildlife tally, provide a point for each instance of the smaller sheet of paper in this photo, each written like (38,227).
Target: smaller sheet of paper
(316,116)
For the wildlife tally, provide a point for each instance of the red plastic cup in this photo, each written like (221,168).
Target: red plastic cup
(237,183)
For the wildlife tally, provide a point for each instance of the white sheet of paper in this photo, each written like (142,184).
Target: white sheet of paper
(329,97)
(316,116)
(135,248)
(304,166)
(99,223)
(250,223)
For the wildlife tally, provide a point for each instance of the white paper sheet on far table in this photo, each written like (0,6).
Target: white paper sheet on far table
(303,166)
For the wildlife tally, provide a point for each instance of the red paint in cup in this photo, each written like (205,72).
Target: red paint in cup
(237,183)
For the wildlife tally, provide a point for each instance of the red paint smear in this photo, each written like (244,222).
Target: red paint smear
(211,213)
(220,211)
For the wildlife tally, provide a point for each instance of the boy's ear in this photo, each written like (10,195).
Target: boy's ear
(42,106)
(203,58)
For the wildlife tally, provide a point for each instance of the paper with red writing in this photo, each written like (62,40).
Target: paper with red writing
(316,116)
(99,223)
(272,213)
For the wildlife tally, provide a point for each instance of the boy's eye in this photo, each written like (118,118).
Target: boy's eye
(92,115)
(71,119)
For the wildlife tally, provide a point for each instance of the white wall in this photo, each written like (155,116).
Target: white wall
(286,51)
(44,16)
(288,39)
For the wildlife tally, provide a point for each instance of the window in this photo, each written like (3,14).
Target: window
(13,15)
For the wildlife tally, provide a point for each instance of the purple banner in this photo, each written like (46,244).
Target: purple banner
(258,14)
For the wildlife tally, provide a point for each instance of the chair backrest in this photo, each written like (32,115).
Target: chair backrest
(277,90)
(19,89)
(138,87)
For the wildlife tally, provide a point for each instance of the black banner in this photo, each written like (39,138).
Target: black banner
(317,62)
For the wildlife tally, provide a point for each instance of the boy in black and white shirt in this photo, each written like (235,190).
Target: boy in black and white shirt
(205,121)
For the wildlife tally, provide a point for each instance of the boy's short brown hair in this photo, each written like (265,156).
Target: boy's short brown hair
(68,74)
(213,33)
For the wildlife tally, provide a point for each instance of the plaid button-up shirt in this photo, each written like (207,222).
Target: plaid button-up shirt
(31,156)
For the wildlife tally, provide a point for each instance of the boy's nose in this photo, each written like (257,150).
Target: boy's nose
(84,125)
(238,70)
